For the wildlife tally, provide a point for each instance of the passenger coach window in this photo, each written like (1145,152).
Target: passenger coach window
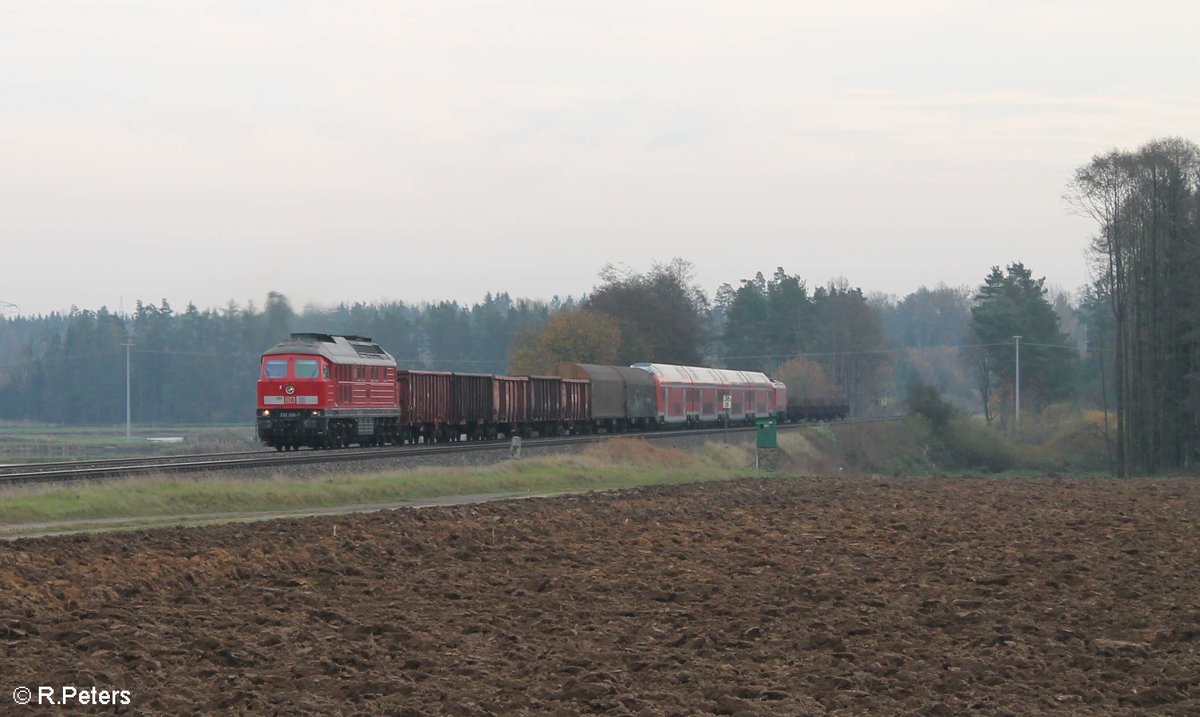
(306,368)
(276,368)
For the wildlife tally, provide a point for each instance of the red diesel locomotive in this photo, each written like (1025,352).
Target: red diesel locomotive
(327,392)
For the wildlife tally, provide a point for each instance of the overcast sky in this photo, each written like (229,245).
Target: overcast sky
(208,151)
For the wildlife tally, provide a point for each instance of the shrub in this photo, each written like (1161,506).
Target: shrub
(891,448)
(971,445)
(924,400)
(1080,443)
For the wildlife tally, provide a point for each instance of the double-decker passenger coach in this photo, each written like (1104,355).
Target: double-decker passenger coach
(694,395)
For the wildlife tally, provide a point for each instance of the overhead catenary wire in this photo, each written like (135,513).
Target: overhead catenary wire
(894,350)
(720,359)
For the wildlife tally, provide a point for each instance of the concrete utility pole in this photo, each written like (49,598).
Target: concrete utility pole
(128,417)
(1017,391)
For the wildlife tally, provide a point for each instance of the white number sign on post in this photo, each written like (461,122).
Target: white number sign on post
(726,403)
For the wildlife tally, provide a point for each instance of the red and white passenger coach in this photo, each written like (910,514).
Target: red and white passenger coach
(693,395)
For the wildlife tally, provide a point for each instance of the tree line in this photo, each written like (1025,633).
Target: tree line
(199,366)
(831,343)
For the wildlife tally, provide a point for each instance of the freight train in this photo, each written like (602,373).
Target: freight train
(326,391)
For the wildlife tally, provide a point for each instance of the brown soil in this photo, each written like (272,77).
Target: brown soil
(775,597)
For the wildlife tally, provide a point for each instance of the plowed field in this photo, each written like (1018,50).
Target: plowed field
(774,597)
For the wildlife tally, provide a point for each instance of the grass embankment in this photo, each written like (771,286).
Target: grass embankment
(613,464)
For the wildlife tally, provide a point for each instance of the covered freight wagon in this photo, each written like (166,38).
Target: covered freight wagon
(622,397)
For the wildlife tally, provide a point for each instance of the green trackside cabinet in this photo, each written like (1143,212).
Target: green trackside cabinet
(766,433)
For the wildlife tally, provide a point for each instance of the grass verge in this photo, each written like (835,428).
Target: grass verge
(612,464)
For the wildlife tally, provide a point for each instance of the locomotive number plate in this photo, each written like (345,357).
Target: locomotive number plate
(289,400)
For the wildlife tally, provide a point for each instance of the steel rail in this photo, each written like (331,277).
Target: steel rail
(130,461)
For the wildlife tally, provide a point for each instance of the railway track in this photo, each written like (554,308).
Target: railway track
(102,463)
(254,460)
(116,468)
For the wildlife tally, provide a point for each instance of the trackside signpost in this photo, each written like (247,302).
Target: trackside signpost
(726,403)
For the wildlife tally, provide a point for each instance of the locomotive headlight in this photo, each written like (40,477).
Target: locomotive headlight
(266,412)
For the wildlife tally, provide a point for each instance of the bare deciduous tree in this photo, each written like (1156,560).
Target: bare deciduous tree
(1146,257)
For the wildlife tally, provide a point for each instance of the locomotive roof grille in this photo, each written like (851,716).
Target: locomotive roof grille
(336,348)
(307,338)
(327,338)
(367,350)
(364,346)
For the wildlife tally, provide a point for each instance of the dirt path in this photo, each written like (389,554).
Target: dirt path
(49,529)
(784,597)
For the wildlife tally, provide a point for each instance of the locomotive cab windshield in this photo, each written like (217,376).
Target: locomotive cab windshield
(307,368)
(301,368)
